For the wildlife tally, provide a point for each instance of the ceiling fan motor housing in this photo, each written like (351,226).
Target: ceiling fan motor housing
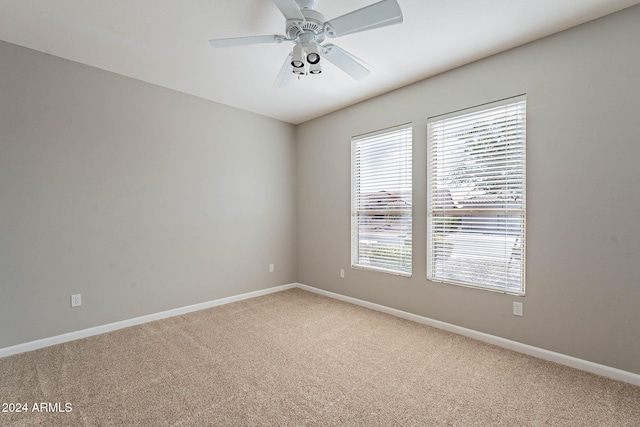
(312,29)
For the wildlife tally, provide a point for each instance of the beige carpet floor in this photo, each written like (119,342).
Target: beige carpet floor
(295,358)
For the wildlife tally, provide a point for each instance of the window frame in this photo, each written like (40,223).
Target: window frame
(438,270)
(398,202)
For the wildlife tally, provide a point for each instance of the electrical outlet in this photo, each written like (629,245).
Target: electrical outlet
(76,300)
(270,268)
(517,309)
(342,273)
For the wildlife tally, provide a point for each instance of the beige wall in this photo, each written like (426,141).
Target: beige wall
(140,198)
(583,183)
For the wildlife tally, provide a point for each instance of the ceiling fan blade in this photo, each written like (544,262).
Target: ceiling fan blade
(345,61)
(241,41)
(285,74)
(377,15)
(290,9)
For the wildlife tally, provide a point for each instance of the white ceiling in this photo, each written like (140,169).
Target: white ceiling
(165,42)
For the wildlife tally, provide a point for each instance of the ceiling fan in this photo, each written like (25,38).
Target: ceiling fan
(307,29)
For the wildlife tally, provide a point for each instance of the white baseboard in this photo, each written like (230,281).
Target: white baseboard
(59,339)
(562,359)
(585,365)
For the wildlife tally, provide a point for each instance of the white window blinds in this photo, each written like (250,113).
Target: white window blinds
(476,197)
(381,200)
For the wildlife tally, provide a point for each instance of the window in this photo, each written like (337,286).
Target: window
(381,200)
(476,197)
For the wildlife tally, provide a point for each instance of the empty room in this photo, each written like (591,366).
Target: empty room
(320,212)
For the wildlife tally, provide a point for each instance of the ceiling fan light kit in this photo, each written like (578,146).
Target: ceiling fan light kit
(297,56)
(315,69)
(307,29)
(313,53)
